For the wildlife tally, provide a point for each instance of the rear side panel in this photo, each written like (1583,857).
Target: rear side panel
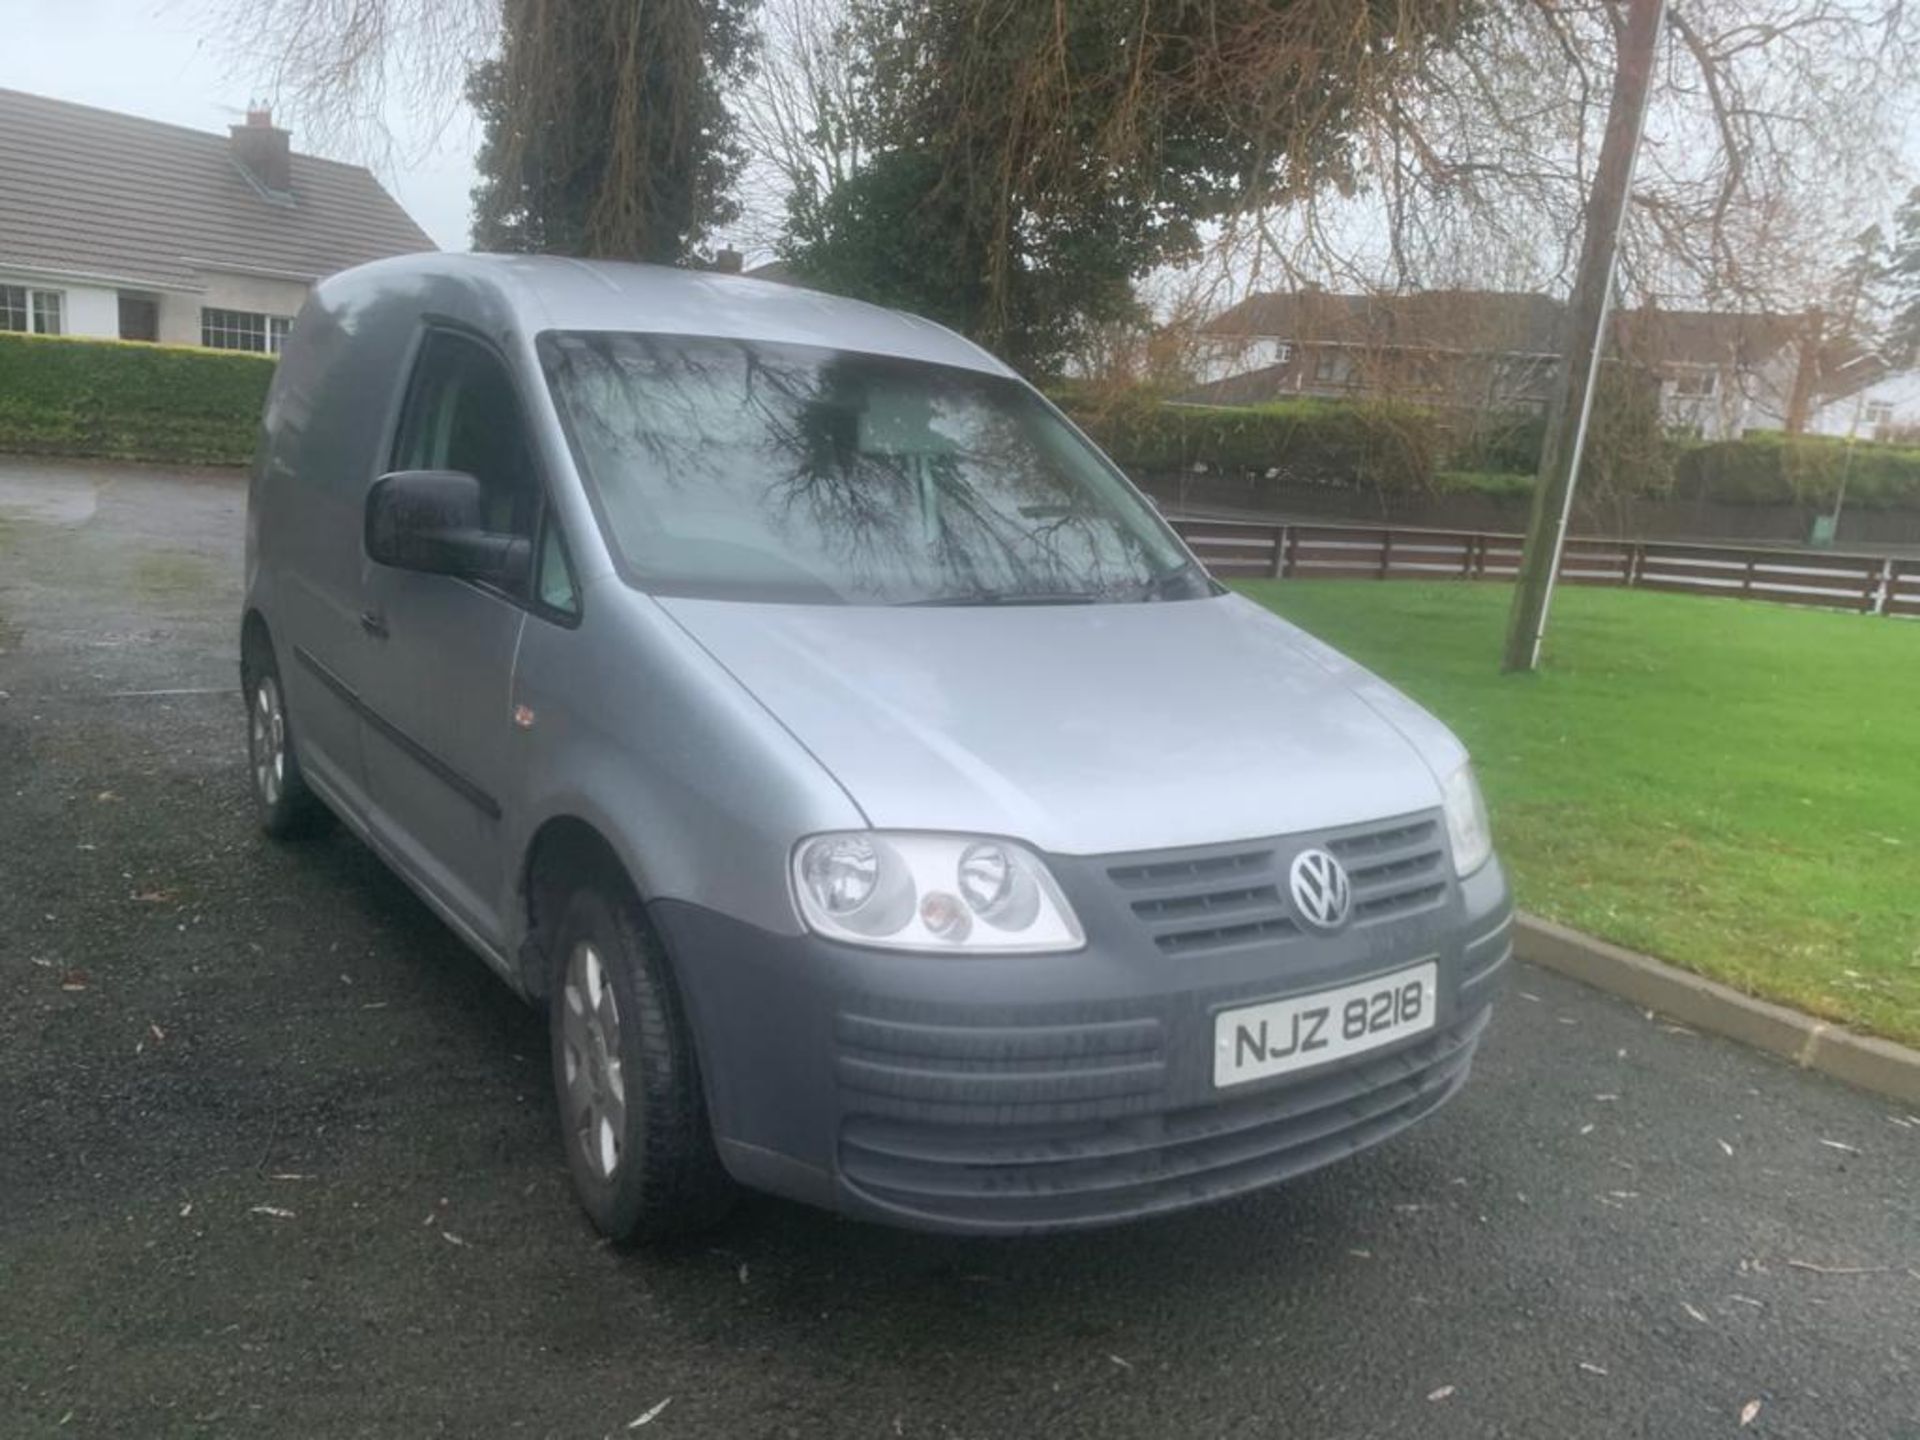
(332,398)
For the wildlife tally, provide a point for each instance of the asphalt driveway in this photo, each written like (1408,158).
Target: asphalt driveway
(278,1158)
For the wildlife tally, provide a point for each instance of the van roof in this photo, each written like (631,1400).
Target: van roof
(553,292)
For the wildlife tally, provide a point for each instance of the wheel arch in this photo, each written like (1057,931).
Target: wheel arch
(563,849)
(255,637)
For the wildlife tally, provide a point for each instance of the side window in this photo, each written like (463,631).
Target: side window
(553,576)
(462,414)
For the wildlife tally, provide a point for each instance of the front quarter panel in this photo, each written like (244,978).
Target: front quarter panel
(638,731)
(1436,745)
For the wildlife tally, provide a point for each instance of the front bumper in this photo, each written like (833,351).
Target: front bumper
(1002,1094)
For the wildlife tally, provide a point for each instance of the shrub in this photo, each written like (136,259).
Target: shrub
(1399,449)
(1798,469)
(69,396)
(1494,484)
(1316,442)
(1499,443)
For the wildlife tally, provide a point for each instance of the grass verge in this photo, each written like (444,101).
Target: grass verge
(1731,786)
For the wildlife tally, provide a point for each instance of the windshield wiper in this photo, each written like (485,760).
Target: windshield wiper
(1011,597)
(1181,583)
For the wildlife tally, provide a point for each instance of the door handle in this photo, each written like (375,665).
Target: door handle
(374,624)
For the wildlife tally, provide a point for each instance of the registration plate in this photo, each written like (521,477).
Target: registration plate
(1256,1041)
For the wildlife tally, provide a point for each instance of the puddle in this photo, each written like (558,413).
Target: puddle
(64,500)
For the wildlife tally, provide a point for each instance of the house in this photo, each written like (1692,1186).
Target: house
(115,226)
(1722,376)
(1719,376)
(1471,349)
(1885,408)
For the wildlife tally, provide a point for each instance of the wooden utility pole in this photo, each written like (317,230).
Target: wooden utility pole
(1637,32)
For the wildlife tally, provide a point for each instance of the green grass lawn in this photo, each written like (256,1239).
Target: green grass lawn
(1733,786)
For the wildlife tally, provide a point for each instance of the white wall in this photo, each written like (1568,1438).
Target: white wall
(1839,417)
(92,311)
(1743,400)
(1218,357)
(254,293)
(260,295)
(87,309)
(179,318)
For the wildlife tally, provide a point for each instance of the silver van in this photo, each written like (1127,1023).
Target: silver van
(887,809)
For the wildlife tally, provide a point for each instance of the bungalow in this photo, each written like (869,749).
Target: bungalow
(119,227)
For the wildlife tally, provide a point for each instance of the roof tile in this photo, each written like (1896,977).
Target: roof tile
(90,191)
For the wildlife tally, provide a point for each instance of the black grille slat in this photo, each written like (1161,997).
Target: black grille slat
(1400,902)
(1203,902)
(1218,902)
(999,1086)
(1222,937)
(878,1038)
(1370,877)
(1351,850)
(1179,873)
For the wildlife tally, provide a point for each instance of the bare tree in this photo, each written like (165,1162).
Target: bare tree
(1455,142)
(1774,135)
(339,67)
(800,115)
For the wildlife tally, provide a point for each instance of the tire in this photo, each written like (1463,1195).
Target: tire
(632,1113)
(281,799)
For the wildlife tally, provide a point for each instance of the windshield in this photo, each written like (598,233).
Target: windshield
(744,470)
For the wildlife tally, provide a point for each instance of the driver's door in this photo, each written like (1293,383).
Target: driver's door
(440,752)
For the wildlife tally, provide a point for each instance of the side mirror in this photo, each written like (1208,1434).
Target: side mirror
(429,520)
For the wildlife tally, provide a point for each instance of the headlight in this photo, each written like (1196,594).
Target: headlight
(912,891)
(1467,824)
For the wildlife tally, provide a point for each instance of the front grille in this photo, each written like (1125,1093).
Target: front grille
(1010,1176)
(1221,898)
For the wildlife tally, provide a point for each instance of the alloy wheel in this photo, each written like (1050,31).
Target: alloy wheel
(268,732)
(596,1091)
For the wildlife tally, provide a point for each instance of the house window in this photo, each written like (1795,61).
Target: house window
(139,316)
(1522,376)
(1327,368)
(243,330)
(1699,384)
(32,312)
(1878,413)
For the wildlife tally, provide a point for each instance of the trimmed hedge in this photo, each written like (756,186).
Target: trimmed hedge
(1495,484)
(1399,448)
(1799,470)
(1316,442)
(68,396)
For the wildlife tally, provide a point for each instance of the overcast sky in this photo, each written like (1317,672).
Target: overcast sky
(154,58)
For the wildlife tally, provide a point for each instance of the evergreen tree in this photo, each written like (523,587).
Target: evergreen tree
(606,130)
(1902,279)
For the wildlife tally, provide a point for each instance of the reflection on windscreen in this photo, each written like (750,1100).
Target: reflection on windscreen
(747,470)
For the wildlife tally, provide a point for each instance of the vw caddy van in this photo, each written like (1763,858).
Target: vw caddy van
(887,809)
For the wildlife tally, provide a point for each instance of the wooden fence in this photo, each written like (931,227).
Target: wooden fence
(1871,584)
